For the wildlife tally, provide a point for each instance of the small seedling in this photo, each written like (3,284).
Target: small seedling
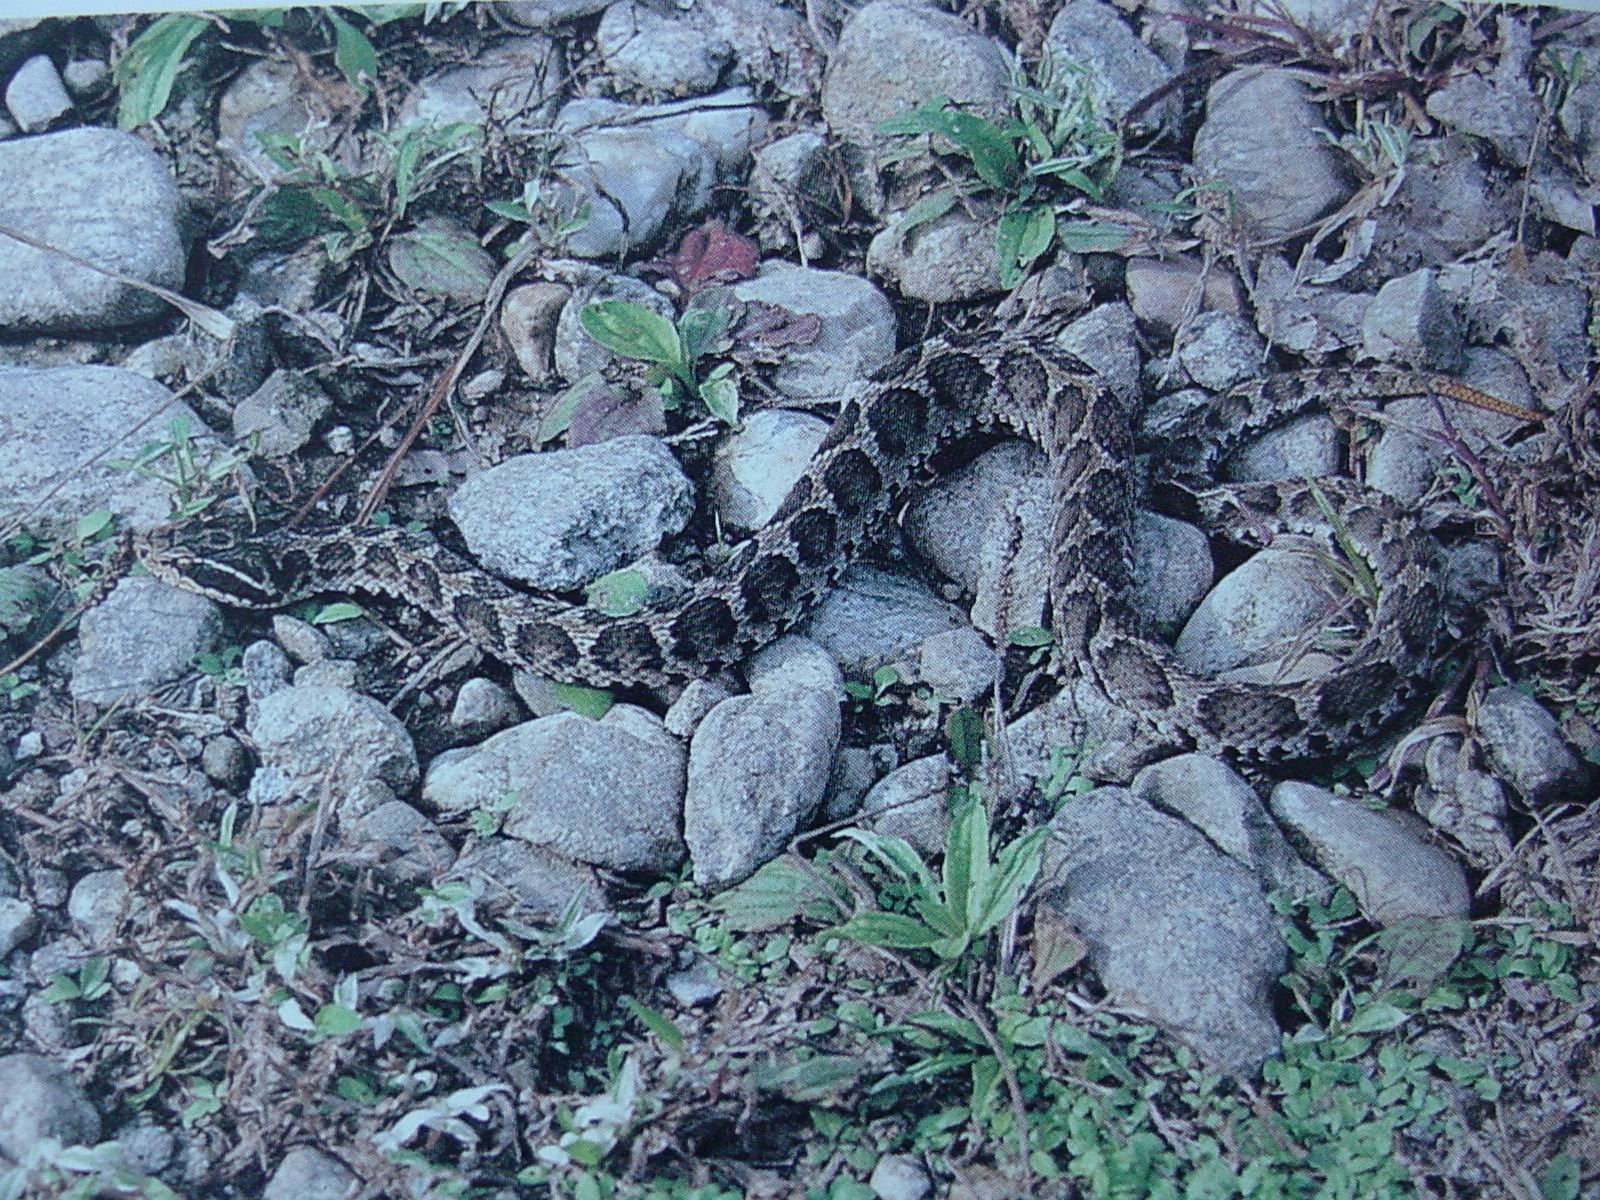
(634,331)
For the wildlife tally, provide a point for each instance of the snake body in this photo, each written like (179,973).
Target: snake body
(880,442)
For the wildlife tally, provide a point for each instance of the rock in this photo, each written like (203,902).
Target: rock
(1338,23)
(146,1147)
(757,464)
(18,923)
(1410,322)
(301,640)
(695,986)
(1159,290)
(1446,206)
(269,99)
(1106,339)
(855,770)
(1499,107)
(793,182)
(505,873)
(912,802)
(560,519)
(327,672)
(266,669)
(144,634)
(793,663)
(513,86)
(1175,928)
(947,260)
(857,334)
(546,14)
(1212,797)
(1260,137)
(658,52)
(1259,610)
(1172,570)
(328,742)
(47,419)
(577,354)
(224,762)
(1467,804)
(1303,319)
(605,792)
(899,1177)
(1537,313)
(1220,350)
(400,841)
(38,1099)
(29,601)
(528,316)
(699,697)
(1121,69)
(958,665)
(97,905)
(758,766)
(36,97)
(281,413)
(85,76)
(483,706)
(772,45)
(1396,875)
(306,1173)
(1307,445)
(872,617)
(891,57)
(1524,746)
(728,124)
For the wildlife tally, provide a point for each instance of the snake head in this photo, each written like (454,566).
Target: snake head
(221,558)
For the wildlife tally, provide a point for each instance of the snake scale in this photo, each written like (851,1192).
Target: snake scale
(872,453)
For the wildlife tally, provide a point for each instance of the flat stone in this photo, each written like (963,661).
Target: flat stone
(144,634)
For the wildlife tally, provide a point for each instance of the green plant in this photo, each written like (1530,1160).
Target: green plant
(874,692)
(1039,165)
(194,473)
(634,331)
(46,1167)
(92,981)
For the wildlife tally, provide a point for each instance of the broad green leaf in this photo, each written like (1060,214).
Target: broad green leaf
(699,328)
(555,422)
(353,54)
(964,730)
(896,854)
(585,701)
(775,895)
(993,156)
(956,1028)
(91,524)
(442,260)
(657,1023)
(633,331)
(1015,868)
(928,117)
(985,1074)
(720,392)
(146,73)
(619,593)
(330,614)
(1030,636)
(823,1077)
(1378,1017)
(946,921)
(1022,236)
(1091,237)
(930,208)
(893,930)
(335,1020)
(966,860)
(511,210)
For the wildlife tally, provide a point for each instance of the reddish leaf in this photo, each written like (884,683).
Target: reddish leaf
(713,254)
(604,413)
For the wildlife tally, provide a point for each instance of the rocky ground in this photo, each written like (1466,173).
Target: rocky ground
(322,902)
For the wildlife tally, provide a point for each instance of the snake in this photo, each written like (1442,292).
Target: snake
(882,441)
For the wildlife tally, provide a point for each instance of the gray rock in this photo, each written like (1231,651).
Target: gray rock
(317,742)
(1220,350)
(301,640)
(947,260)
(269,99)
(899,1177)
(1175,928)
(635,178)
(49,421)
(224,762)
(695,985)
(1295,316)
(506,873)
(1260,137)
(793,663)
(756,465)
(772,45)
(546,14)
(1538,314)
(1384,858)
(793,183)
(327,672)
(1307,445)
(577,354)
(306,1173)
(1524,746)
(512,86)
(18,923)
(144,634)
(912,802)
(857,335)
(1212,797)
(1467,804)
(528,317)
(660,52)
(1499,107)
(855,770)
(605,792)
(758,766)
(266,668)
(1410,322)
(1121,69)
(1161,290)
(146,1147)
(84,76)
(483,706)
(97,905)
(400,841)
(441,258)
(38,1099)
(560,519)
(872,617)
(958,664)
(1446,206)
(36,97)
(699,697)
(281,413)
(1259,611)
(1106,339)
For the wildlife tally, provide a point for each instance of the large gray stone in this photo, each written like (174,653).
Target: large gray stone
(144,634)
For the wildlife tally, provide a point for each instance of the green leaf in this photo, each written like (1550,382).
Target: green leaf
(1031,637)
(1091,237)
(929,117)
(340,610)
(657,1023)
(985,1074)
(91,524)
(720,392)
(585,701)
(775,895)
(1378,1017)
(442,260)
(929,208)
(992,154)
(335,1020)
(633,331)
(353,54)
(964,730)
(618,593)
(146,73)
(966,862)
(823,1077)
(896,854)
(893,930)
(1560,1179)
(1014,869)
(699,328)
(511,210)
